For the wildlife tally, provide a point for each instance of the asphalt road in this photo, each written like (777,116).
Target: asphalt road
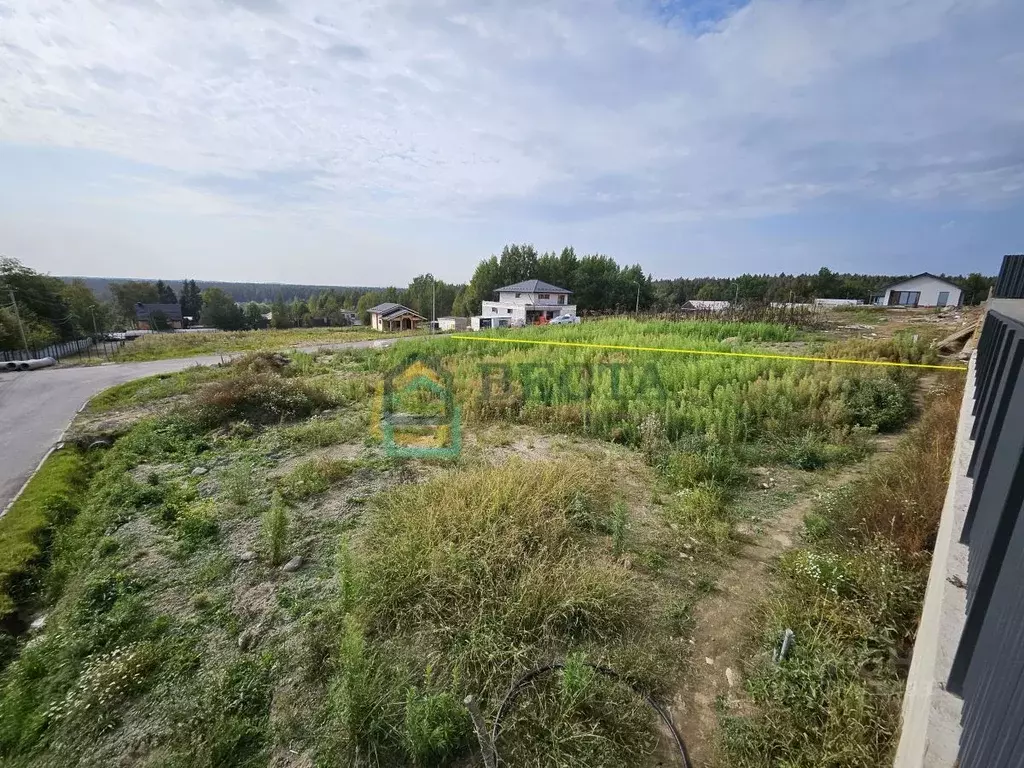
(37,406)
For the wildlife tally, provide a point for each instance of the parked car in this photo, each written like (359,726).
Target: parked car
(564,320)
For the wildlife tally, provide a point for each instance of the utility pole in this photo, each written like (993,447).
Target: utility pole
(638,298)
(14,303)
(433,302)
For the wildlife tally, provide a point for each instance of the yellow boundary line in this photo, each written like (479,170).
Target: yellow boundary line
(762,355)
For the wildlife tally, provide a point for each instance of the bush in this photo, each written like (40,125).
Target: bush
(314,476)
(274,530)
(259,397)
(901,499)
(437,727)
(885,402)
(713,465)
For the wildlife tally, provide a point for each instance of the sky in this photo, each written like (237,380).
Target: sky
(364,142)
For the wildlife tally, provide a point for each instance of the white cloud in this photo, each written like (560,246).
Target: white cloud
(479,110)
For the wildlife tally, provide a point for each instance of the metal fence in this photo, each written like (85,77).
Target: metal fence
(988,669)
(87,348)
(1010,283)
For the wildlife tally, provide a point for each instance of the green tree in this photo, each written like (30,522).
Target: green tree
(131,292)
(220,311)
(367,300)
(165,293)
(191,299)
(40,300)
(254,318)
(88,314)
(280,317)
(975,287)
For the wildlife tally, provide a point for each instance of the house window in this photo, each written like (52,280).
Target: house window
(943,299)
(509,311)
(519,295)
(494,310)
(904,298)
(561,298)
(543,295)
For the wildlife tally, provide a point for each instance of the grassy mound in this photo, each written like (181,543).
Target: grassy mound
(463,582)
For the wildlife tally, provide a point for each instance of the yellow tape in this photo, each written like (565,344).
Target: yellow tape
(763,355)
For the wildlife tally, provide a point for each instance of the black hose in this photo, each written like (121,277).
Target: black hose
(533,674)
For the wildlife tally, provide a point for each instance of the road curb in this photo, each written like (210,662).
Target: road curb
(59,443)
(55,447)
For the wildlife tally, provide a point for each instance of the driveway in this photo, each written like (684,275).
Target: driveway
(37,406)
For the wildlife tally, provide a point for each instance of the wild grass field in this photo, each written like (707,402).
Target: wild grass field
(248,577)
(165,346)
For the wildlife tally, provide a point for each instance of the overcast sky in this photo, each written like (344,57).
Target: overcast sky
(345,142)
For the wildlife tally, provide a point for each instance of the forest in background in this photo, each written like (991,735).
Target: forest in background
(54,309)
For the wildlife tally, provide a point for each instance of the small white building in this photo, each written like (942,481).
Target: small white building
(452,323)
(524,303)
(924,290)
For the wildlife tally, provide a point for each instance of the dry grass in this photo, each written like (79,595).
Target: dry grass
(902,499)
(852,594)
(468,579)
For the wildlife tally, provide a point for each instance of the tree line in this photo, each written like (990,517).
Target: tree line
(52,309)
(824,284)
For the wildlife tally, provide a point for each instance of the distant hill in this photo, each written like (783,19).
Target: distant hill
(241,292)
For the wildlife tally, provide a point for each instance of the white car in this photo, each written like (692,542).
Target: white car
(564,320)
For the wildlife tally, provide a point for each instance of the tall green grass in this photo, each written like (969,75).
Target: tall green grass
(51,498)
(852,595)
(609,393)
(464,581)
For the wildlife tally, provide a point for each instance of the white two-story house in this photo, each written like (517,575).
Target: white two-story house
(524,303)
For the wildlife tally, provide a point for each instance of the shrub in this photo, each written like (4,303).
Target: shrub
(314,476)
(259,397)
(713,465)
(437,727)
(884,402)
(237,482)
(274,530)
(902,497)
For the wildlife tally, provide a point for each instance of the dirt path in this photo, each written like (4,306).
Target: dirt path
(723,621)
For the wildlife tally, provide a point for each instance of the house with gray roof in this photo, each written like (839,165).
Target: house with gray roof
(394,317)
(158,317)
(526,303)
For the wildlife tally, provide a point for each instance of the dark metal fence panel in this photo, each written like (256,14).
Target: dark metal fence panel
(988,668)
(992,420)
(1010,284)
